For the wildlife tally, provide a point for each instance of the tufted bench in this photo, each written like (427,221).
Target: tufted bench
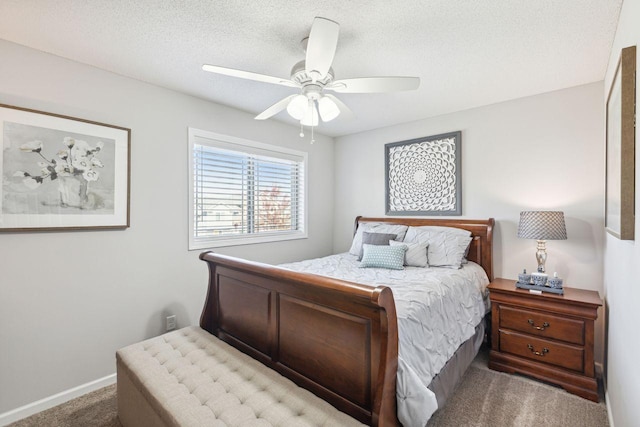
(191,378)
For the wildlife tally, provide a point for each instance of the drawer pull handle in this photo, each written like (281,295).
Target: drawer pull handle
(540,328)
(538,353)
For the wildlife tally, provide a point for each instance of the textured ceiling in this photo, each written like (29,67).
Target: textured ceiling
(468,53)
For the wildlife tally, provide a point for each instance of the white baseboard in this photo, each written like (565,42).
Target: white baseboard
(607,401)
(599,369)
(51,401)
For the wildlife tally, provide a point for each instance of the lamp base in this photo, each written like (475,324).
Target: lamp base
(541,255)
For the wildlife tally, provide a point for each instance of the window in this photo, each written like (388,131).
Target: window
(243,192)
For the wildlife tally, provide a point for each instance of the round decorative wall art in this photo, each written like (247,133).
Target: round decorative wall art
(423,176)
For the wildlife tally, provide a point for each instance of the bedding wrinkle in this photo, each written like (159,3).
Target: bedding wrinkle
(437,310)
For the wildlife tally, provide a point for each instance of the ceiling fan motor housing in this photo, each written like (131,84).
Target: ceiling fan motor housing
(299,75)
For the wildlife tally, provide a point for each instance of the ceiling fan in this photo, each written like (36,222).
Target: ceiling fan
(314,75)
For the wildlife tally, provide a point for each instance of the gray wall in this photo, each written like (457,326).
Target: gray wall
(68,300)
(542,152)
(622,263)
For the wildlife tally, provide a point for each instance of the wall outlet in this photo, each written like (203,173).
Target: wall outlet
(171,322)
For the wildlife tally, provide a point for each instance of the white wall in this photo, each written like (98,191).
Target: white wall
(622,264)
(543,152)
(68,300)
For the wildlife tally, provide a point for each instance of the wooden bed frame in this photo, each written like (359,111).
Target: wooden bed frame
(335,338)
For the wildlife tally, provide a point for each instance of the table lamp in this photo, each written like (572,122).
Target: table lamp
(542,226)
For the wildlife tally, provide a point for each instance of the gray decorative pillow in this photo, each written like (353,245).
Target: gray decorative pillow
(377,239)
(375,227)
(416,254)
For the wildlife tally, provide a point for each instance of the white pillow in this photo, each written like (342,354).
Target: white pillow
(447,245)
(416,254)
(376,227)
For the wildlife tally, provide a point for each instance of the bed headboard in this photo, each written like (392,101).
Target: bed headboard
(481,249)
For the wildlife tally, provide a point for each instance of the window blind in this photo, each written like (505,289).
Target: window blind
(246,191)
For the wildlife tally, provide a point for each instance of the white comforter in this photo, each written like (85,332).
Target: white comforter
(437,308)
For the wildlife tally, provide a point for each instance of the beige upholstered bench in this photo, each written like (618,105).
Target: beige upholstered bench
(191,378)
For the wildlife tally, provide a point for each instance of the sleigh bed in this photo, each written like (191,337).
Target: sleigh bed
(336,338)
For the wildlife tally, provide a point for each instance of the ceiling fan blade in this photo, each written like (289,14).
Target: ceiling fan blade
(345,111)
(275,108)
(321,47)
(374,84)
(249,75)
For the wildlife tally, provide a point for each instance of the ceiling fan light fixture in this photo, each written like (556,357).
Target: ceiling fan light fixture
(298,107)
(328,109)
(311,118)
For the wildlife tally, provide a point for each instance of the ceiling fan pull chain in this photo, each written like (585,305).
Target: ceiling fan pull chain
(301,130)
(312,140)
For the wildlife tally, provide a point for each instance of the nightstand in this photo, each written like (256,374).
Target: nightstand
(547,336)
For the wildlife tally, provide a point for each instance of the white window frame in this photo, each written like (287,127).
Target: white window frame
(202,137)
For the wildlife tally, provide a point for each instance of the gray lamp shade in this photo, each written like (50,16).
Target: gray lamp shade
(542,225)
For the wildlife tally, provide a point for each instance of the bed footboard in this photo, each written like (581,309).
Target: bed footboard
(337,339)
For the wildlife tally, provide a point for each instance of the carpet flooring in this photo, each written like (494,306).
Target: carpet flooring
(95,409)
(484,398)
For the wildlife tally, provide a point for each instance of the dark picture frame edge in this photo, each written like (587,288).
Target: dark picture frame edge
(624,170)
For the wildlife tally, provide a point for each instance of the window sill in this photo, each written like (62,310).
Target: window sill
(198,244)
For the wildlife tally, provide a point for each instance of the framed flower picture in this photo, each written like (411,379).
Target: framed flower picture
(62,173)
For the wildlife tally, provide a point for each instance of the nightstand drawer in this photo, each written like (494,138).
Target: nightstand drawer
(542,324)
(541,350)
